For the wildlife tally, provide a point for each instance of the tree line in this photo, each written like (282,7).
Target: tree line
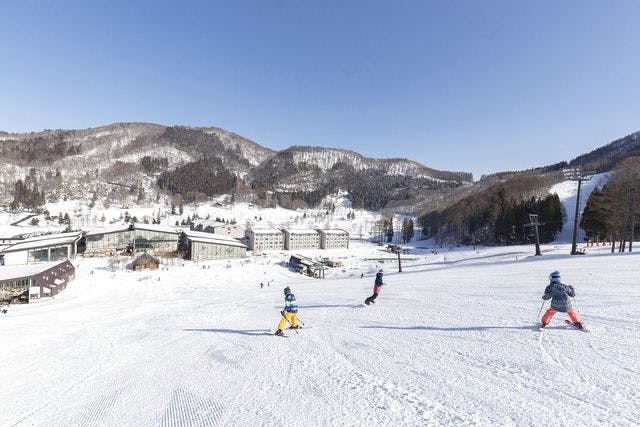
(613,212)
(498,215)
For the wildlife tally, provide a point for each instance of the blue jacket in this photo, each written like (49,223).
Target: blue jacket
(290,304)
(559,294)
(379,279)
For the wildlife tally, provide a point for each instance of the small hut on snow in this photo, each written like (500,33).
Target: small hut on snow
(145,261)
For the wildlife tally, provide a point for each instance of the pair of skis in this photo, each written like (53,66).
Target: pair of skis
(569,322)
(286,336)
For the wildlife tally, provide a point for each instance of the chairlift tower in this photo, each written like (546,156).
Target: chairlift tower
(533,222)
(576,174)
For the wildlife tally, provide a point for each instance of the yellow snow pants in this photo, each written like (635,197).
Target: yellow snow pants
(291,317)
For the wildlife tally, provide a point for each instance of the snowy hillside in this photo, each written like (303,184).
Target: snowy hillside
(450,341)
(567,192)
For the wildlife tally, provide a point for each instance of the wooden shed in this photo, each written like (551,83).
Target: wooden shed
(146,261)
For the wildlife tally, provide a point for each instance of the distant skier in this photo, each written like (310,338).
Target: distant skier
(377,288)
(560,294)
(289,313)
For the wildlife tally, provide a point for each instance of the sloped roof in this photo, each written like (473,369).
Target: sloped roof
(145,258)
(217,239)
(44,241)
(9,272)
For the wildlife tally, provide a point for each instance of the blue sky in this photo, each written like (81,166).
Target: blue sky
(479,86)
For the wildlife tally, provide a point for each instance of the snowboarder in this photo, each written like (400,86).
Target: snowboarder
(377,288)
(289,313)
(560,294)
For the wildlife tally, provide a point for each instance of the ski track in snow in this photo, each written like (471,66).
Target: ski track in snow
(447,343)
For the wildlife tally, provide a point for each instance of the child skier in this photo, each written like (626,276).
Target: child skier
(559,294)
(290,312)
(377,288)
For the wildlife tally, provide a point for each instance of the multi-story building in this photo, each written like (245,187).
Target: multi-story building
(301,239)
(263,239)
(216,227)
(333,239)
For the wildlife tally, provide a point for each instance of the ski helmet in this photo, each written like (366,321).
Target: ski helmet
(287,290)
(380,271)
(555,276)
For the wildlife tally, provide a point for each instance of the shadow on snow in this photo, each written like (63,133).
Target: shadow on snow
(459,328)
(252,332)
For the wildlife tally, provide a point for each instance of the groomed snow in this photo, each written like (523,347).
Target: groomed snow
(450,342)
(567,191)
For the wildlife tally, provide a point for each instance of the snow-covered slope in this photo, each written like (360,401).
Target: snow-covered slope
(449,342)
(567,192)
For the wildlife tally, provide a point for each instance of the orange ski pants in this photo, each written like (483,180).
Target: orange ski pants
(573,315)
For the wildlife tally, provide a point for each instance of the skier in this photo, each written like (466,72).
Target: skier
(377,288)
(559,294)
(289,313)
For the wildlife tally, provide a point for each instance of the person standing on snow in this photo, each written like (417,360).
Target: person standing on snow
(290,312)
(377,288)
(560,294)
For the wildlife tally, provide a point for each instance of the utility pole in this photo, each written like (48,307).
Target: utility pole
(399,263)
(576,174)
(533,222)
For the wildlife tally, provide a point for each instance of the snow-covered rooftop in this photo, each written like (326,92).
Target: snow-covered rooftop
(159,228)
(136,226)
(107,230)
(221,239)
(8,272)
(266,230)
(301,231)
(334,231)
(44,241)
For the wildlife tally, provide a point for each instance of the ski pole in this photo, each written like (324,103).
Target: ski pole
(540,311)
(285,318)
(300,321)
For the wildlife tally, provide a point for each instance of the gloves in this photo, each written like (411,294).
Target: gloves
(282,312)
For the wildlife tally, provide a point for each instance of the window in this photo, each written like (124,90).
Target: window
(38,255)
(59,253)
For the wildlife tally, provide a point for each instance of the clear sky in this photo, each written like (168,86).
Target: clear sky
(479,86)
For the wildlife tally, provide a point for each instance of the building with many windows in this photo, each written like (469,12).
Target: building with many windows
(205,246)
(28,282)
(217,227)
(265,239)
(333,239)
(301,239)
(50,247)
(152,238)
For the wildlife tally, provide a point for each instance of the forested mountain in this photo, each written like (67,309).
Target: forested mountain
(606,158)
(138,163)
(141,163)
(495,210)
(498,213)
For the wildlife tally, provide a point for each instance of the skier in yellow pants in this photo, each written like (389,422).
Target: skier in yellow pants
(290,312)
